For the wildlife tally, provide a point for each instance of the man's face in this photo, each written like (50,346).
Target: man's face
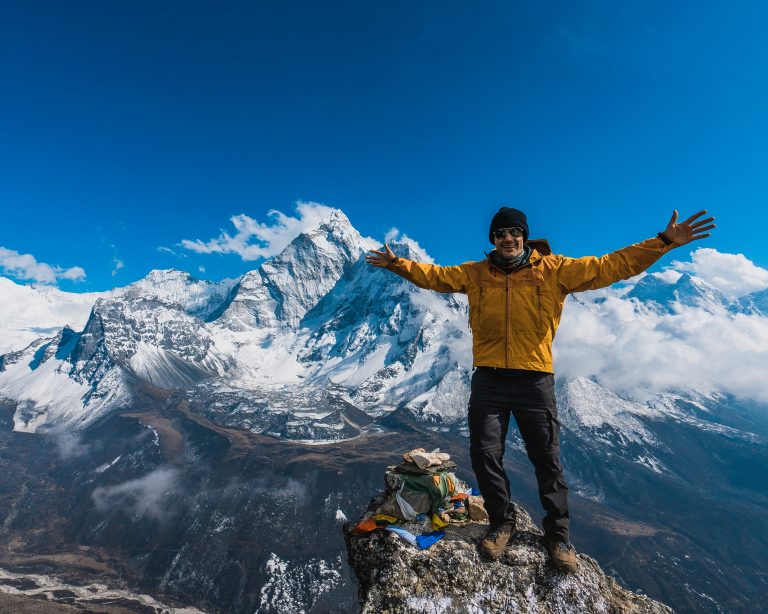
(508,245)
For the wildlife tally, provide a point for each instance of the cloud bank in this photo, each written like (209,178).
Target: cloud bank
(638,351)
(26,266)
(733,274)
(635,350)
(254,240)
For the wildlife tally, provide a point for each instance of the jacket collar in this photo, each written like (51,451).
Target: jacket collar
(539,249)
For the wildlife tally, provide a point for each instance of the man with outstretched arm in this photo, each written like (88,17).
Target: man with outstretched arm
(516,299)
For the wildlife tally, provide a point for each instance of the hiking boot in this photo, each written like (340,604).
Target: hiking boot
(495,541)
(563,555)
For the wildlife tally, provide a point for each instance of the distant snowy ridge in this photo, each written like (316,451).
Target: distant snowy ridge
(314,317)
(29,312)
(315,344)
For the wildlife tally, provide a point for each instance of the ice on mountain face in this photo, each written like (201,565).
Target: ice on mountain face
(373,333)
(73,378)
(153,328)
(40,344)
(60,347)
(601,422)
(590,405)
(252,305)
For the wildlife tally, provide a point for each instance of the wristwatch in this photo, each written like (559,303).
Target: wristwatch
(664,238)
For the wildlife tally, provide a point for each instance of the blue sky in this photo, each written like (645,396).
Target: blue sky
(131,126)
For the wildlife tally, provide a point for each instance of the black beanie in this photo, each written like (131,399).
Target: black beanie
(507,217)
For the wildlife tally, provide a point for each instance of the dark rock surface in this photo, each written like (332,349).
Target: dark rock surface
(451,576)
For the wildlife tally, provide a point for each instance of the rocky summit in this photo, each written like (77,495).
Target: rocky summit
(396,577)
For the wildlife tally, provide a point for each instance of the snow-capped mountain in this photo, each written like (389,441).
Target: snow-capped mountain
(313,318)
(284,288)
(688,290)
(143,332)
(199,298)
(236,408)
(754,303)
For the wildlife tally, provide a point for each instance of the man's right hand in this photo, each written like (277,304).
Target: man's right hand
(380,259)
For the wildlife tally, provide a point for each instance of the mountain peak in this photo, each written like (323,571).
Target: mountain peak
(165,274)
(337,217)
(197,297)
(754,303)
(287,286)
(333,232)
(688,290)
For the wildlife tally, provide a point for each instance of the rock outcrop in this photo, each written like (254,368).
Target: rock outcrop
(451,576)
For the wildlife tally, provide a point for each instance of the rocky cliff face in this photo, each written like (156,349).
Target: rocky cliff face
(451,576)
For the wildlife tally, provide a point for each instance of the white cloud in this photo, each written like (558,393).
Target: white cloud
(393,235)
(26,266)
(733,274)
(168,250)
(146,495)
(118,265)
(69,445)
(638,351)
(74,273)
(668,276)
(201,268)
(255,240)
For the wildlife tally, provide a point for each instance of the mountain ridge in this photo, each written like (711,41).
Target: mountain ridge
(161,421)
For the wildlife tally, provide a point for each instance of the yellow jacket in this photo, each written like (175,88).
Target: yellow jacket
(514,317)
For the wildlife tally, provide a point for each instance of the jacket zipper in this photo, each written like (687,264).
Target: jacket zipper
(479,309)
(506,325)
(506,306)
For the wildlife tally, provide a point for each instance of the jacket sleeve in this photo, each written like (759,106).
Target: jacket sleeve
(432,276)
(590,273)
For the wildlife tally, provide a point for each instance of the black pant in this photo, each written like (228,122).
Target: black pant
(530,396)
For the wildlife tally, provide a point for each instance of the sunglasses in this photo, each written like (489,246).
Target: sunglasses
(513,232)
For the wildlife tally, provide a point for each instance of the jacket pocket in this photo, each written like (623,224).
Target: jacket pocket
(491,314)
(525,306)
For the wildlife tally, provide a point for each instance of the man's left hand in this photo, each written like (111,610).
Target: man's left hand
(688,230)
